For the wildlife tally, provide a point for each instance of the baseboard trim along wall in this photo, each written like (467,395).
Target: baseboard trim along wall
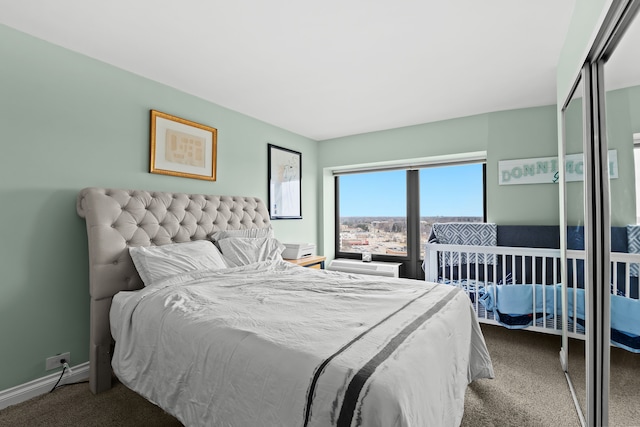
(26,391)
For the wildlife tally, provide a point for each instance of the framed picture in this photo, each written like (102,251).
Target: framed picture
(285,183)
(183,148)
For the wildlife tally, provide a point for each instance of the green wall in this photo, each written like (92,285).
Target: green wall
(521,134)
(623,120)
(622,114)
(585,21)
(574,135)
(505,135)
(70,122)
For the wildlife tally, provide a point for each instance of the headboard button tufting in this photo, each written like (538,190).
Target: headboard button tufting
(158,217)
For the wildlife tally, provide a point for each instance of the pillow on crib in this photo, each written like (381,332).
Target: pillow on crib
(633,245)
(245,250)
(155,263)
(465,233)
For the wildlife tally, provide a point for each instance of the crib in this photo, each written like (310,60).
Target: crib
(520,287)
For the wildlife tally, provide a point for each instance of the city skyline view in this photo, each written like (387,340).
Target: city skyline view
(387,235)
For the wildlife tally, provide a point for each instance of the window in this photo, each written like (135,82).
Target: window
(390,213)
(450,194)
(373,213)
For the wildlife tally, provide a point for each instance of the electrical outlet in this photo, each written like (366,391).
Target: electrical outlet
(54,362)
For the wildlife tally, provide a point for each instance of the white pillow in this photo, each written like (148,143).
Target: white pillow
(159,262)
(245,250)
(249,232)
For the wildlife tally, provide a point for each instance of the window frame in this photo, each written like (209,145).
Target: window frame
(411,263)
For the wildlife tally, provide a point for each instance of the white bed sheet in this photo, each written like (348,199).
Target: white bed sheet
(273,344)
(116,312)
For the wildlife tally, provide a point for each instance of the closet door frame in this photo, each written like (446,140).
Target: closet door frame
(579,90)
(597,232)
(597,218)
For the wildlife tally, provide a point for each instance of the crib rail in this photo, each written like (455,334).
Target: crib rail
(575,269)
(477,269)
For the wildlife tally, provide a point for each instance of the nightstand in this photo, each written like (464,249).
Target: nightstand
(313,261)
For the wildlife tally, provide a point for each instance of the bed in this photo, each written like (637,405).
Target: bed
(520,287)
(260,341)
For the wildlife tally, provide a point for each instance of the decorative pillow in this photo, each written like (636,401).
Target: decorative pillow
(633,245)
(159,262)
(245,250)
(249,232)
(475,234)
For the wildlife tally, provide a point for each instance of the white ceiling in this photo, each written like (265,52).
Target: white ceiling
(322,69)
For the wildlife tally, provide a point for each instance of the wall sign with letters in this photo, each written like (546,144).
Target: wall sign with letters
(544,170)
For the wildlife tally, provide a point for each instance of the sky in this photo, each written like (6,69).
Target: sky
(444,191)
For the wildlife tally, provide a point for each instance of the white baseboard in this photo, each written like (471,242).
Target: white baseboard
(26,391)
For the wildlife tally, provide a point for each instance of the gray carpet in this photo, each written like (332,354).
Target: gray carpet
(529,390)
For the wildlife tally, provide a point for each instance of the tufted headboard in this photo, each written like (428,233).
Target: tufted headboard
(117,219)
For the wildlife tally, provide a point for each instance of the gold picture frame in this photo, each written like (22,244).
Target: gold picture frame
(182,148)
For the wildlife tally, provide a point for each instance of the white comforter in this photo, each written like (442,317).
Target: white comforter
(273,344)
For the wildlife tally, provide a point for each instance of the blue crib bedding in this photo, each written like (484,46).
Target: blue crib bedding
(512,308)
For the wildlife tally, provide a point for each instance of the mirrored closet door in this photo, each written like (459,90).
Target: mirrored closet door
(572,189)
(621,75)
(601,248)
